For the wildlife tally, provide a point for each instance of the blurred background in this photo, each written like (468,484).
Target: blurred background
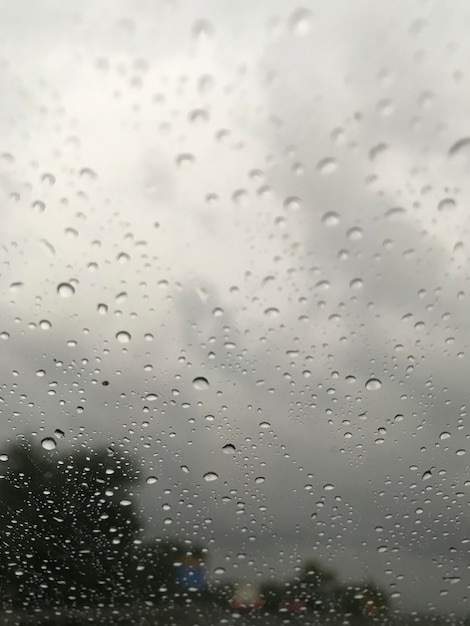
(234,316)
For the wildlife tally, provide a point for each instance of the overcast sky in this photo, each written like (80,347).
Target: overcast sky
(263,194)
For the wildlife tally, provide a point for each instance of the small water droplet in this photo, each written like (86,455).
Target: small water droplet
(356,283)
(300,22)
(229,448)
(259,480)
(123,337)
(292,203)
(355,233)
(200,383)
(272,312)
(460,148)
(210,476)
(102,308)
(373,384)
(66,290)
(125,502)
(328,487)
(151,397)
(59,433)
(444,435)
(45,325)
(48,443)
(447,204)
(327,166)
(265,425)
(151,480)
(330,219)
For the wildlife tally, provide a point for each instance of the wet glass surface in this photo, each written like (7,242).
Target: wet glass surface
(235,312)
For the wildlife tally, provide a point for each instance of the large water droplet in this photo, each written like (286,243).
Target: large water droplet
(229,448)
(151,480)
(200,383)
(373,384)
(123,337)
(48,443)
(444,435)
(66,290)
(210,476)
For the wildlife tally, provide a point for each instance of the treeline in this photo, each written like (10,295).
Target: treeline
(71,535)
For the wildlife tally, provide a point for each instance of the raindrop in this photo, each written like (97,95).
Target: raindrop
(377,151)
(426,475)
(300,22)
(200,383)
(331,219)
(462,146)
(447,204)
(3,457)
(292,203)
(395,213)
(151,397)
(259,480)
(265,425)
(373,384)
(328,487)
(102,308)
(229,448)
(66,290)
(327,166)
(271,312)
(356,283)
(203,30)
(123,337)
(151,480)
(59,433)
(45,325)
(444,435)
(48,443)
(355,233)
(210,476)
(125,502)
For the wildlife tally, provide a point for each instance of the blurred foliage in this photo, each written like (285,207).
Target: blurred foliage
(67,525)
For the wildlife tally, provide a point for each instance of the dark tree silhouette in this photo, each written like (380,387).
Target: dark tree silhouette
(67,524)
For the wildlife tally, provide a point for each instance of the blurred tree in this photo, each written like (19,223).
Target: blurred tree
(364,599)
(315,584)
(273,594)
(67,525)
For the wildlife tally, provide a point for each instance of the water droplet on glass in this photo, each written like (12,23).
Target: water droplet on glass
(259,480)
(292,203)
(300,22)
(356,283)
(48,443)
(373,384)
(202,30)
(45,325)
(102,308)
(330,219)
(66,290)
(444,435)
(229,448)
(460,148)
(151,480)
(447,204)
(377,151)
(200,383)
(271,312)
(355,233)
(328,487)
(123,337)
(125,502)
(59,433)
(151,397)
(210,476)
(327,166)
